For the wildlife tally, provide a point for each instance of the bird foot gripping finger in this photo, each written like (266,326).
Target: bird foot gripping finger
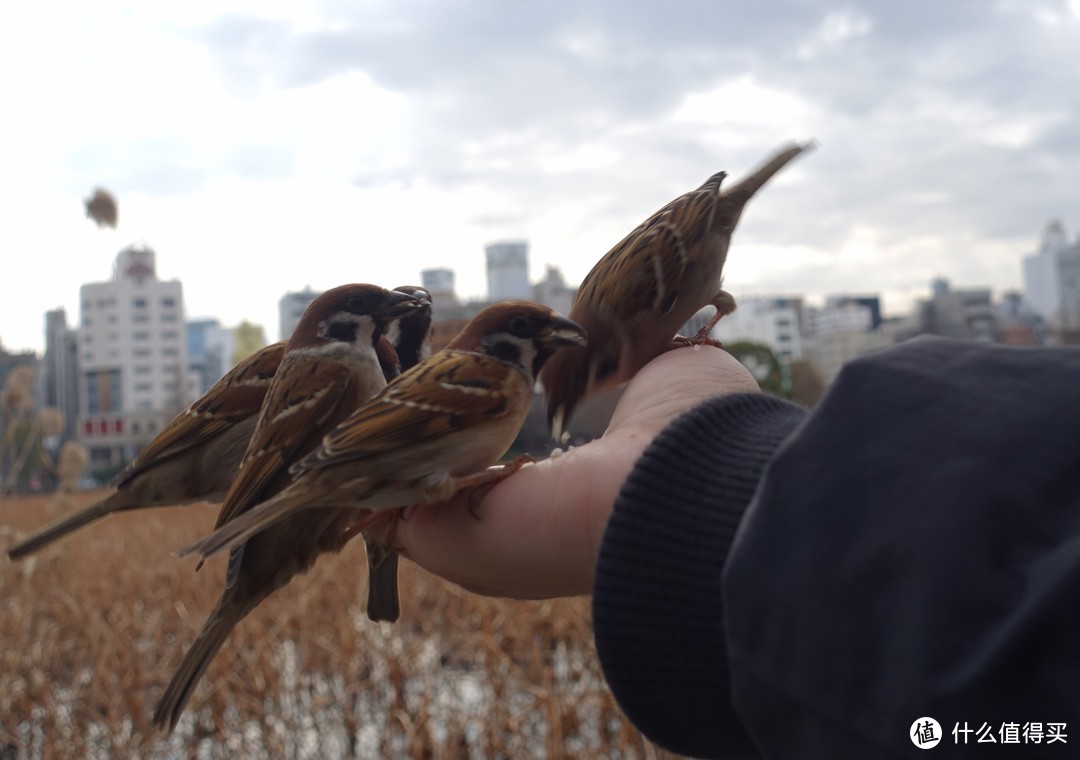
(479,484)
(681,341)
(377,523)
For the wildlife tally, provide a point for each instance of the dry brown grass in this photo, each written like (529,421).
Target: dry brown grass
(91,631)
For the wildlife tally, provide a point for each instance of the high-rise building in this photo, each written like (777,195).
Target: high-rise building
(291,307)
(847,327)
(132,358)
(61,381)
(440,283)
(508,270)
(210,349)
(247,339)
(957,313)
(1052,279)
(553,292)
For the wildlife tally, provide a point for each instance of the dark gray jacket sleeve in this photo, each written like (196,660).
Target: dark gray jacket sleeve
(911,549)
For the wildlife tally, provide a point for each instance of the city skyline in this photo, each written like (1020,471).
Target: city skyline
(274,325)
(259,149)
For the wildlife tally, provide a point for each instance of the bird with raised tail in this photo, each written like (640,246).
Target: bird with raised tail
(330,367)
(430,433)
(633,302)
(194,458)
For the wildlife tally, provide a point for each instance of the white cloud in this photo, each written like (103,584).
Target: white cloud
(263,146)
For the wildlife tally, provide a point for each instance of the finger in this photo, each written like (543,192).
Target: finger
(538,530)
(677,381)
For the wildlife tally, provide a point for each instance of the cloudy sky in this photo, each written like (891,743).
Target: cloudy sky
(261,146)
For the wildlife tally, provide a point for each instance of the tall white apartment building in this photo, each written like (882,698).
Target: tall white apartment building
(1052,278)
(132,359)
(508,271)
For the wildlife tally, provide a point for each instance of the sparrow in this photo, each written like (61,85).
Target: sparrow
(409,338)
(641,292)
(194,458)
(430,433)
(330,368)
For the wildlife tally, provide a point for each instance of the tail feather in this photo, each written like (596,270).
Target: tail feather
(742,190)
(242,527)
(61,528)
(213,634)
(382,602)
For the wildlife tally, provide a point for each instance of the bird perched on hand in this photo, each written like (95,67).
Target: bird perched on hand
(410,340)
(330,368)
(194,458)
(645,288)
(431,432)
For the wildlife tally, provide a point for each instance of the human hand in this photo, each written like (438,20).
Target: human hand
(540,529)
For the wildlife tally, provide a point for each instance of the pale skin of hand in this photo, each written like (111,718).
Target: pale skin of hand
(539,530)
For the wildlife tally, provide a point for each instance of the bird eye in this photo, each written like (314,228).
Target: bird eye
(519,326)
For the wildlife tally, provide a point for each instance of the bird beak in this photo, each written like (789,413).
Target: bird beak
(563,332)
(398,304)
(420,295)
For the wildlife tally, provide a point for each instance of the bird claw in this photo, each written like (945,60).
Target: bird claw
(481,483)
(681,341)
(369,521)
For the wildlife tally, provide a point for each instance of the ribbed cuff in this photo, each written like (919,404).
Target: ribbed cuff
(657,607)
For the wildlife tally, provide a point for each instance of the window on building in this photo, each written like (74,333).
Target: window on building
(141,335)
(141,352)
(142,369)
(143,387)
(139,303)
(170,351)
(93,394)
(168,301)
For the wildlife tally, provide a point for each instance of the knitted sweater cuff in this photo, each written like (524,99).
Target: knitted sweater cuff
(657,607)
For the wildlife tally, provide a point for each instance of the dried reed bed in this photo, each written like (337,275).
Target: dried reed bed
(91,631)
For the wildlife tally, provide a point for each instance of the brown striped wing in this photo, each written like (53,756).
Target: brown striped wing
(234,398)
(641,272)
(452,391)
(296,410)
